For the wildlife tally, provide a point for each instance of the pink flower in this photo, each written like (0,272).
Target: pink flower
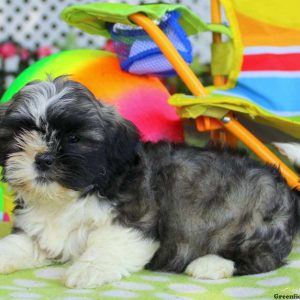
(6,217)
(7,50)
(43,51)
(109,46)
(24,54)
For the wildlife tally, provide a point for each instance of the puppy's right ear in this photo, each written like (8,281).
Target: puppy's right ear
(3,109)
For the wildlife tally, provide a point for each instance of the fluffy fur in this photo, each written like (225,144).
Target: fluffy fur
(88,191)
(291,151)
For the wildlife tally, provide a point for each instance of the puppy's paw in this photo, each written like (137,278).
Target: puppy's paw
(210,267)
(88,275)
(7,264)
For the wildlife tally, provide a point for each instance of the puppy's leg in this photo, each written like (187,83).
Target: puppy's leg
(19,251)
(171,257)
(112,252)
(210,267)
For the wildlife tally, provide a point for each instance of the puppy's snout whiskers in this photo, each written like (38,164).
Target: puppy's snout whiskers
(70,155)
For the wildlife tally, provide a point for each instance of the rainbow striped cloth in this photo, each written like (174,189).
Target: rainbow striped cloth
(264,81)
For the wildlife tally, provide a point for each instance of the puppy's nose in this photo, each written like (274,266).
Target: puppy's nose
(44,161)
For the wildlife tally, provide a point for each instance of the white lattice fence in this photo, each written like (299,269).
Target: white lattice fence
(35,23)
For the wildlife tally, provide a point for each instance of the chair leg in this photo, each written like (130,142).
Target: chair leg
(224,137)
(230,139)
(215,135)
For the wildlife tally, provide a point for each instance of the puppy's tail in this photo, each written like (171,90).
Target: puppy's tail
(291,151)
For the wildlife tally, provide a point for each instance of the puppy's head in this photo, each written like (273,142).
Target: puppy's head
(56,137)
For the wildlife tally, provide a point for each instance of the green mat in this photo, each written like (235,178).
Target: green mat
(5,229)
(44,283)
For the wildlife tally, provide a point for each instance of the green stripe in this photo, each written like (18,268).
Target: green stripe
(93,18)
(25,77)
(62,63)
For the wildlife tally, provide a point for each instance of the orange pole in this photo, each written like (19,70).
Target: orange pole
(167,48)
(197,89)
(260,150)
(219,80)
(216,18)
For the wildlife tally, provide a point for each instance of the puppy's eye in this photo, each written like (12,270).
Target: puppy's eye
(72,139)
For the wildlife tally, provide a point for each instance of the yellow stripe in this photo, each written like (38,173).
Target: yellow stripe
(237,44)
(256,33)
(282,13)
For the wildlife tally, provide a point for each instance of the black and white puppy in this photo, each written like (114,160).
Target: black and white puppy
(89,192)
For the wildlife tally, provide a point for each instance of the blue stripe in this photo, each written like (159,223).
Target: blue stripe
(273,94)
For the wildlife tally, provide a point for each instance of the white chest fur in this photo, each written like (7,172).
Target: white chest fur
(82,231)
(61,232)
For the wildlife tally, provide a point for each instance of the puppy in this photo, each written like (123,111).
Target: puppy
(89,192)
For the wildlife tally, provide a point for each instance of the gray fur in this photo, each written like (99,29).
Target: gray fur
(213,201)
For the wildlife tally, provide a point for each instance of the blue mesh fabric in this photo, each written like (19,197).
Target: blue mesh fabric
(137,52)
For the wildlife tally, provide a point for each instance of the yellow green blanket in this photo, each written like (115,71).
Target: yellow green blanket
(45,283)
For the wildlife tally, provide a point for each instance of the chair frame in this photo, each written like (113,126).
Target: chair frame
(233,129)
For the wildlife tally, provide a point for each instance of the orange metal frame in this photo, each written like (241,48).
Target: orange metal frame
(197,89)
(216,18)
(219,80)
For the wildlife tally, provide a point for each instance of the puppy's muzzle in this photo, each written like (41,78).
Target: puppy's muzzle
(44,161)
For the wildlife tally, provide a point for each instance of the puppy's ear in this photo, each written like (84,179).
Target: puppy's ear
(121,139)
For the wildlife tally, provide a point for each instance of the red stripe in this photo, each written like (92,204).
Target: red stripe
(272,62)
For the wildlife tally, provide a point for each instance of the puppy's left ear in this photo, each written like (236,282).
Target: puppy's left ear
(122,139)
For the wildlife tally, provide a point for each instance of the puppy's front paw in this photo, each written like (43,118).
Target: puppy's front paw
(210,267)
(88,275)
(7,264)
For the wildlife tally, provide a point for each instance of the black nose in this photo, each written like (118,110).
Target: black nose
(44,161)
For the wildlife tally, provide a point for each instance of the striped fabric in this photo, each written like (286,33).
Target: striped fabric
(270,70)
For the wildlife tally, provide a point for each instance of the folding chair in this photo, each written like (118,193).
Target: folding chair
(208,108)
